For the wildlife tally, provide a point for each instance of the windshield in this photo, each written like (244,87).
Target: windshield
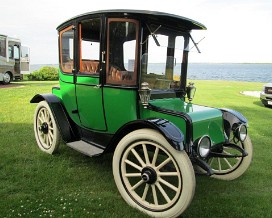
(162,58)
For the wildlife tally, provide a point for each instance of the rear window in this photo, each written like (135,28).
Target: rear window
(67,50)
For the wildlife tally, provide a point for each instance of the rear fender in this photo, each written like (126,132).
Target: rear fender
(65,124)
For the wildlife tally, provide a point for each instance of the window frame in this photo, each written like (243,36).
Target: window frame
(183,68)
(133,82)
(10,52)
(63,69)
(80,67)
(3,47)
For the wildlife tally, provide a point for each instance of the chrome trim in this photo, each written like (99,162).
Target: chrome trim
(198,146)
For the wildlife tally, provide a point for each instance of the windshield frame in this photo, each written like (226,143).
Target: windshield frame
(147,35)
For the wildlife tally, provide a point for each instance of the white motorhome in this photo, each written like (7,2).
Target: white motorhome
(14,59)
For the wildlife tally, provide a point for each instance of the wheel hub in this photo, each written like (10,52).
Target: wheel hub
(44,128)
(6,77)
(149,175)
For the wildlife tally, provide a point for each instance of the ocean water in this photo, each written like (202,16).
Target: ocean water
(217,71)
(231,72)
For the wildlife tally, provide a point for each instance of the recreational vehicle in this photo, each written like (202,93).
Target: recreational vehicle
(14,59)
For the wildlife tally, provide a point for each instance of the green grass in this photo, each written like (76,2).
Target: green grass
(35,184)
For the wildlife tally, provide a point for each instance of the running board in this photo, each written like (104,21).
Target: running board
(85,148)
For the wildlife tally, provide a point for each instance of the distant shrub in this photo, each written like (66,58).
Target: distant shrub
(25,77)
(45,73)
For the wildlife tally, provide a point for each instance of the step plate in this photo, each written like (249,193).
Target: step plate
(85,148)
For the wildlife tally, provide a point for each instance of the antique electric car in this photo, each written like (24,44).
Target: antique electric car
(123,89)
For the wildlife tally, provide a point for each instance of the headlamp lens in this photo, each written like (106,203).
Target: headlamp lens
(204,146)
(242,132)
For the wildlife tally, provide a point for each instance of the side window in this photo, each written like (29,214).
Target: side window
(67,50)
(122,40)
(25,53)
(10,51)
(89,46)
(2,48)
(16,52)
(129,48)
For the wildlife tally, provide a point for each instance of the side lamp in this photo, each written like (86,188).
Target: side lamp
(190,91)
(144,93)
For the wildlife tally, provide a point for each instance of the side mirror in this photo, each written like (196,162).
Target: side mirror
(190,91)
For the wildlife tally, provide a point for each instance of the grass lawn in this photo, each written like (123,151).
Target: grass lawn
(69,184)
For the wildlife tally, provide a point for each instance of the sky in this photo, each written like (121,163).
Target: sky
(238,31)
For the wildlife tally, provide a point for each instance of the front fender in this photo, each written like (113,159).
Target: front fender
(169,130)
(231,118)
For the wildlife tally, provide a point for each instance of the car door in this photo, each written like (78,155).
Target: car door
(25,59)
(120,90)
(89,92)
(67,71)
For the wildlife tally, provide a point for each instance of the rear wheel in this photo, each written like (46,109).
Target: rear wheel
(151,175)
(46,131)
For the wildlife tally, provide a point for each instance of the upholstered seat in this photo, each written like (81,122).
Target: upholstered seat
(116,74)
(89,66)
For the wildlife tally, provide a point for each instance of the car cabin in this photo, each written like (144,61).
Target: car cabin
(111,53)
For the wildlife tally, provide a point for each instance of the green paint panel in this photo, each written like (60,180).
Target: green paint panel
(68,98)
(120,107)
(179,122)
(87,80)
(90,107)
(206,120)
(57,92)
(66,77)
(85,98)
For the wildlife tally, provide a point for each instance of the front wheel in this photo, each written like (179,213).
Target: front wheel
(46,131)
(151,175)
(232,168)
(6,78)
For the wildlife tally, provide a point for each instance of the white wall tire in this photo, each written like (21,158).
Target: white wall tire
(232,168)
(46,131)
(151,175)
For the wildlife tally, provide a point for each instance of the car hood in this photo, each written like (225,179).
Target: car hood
(196,112)
(205,120)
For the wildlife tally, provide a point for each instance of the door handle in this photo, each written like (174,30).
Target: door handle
(103,57)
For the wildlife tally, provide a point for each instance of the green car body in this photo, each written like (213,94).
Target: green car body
(123,89)
(110,116)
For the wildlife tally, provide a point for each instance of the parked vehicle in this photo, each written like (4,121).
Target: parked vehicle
(266,95)
(123,89)
(14,59)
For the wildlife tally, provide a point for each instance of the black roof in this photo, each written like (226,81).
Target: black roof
(174,20)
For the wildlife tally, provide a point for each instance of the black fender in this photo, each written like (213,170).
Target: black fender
(65,124)
(232,118)
(169,130)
